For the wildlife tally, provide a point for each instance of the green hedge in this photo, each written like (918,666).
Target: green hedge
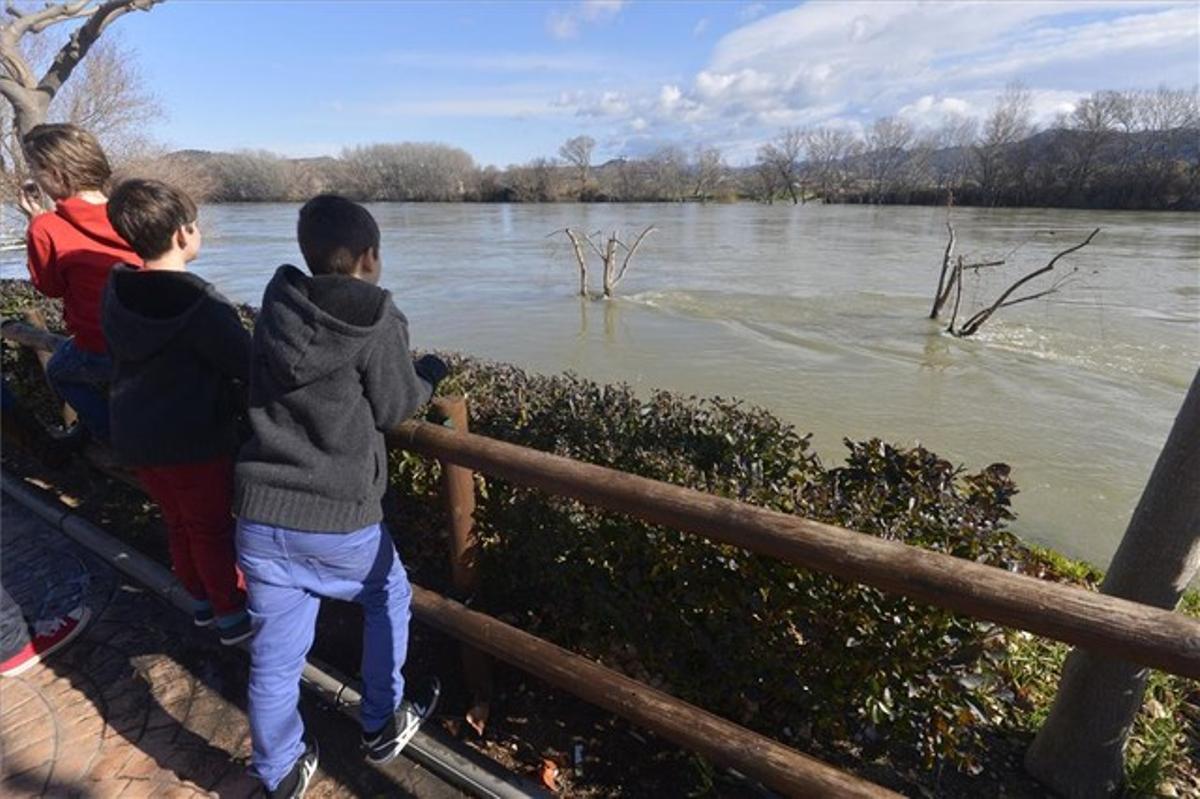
(812,660)
(794,653)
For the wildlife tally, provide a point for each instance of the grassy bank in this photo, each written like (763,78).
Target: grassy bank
(908,695)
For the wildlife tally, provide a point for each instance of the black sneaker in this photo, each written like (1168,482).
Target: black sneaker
(297,780)
(235,633)
(403,725)
(203,615)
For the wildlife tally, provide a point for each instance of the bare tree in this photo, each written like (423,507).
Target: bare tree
(954,139)
(956,267)
(668,168)
(153,161)
(536,181)
(409,171)
(30,95)
(708,171)
(1093,123)
(1009,123)
(783,156)
(629,179)
(888,140)
(609,250)
(577,152)
(1078,752)
(765,183)
(828,150)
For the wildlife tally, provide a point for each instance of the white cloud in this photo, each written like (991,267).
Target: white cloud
(847,64)
(489,106)
(497,61)
(609,104)
(700,27)
(752,11)
(567,23)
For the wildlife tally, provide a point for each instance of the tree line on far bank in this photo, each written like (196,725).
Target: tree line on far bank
(1129,150)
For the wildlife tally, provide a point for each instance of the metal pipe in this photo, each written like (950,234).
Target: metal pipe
(340,693)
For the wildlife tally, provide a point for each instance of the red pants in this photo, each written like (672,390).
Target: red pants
(195,500)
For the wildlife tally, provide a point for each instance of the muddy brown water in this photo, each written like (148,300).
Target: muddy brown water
(818,314)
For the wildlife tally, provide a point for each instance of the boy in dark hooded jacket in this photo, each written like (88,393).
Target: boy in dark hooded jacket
(331,373)
(178,347)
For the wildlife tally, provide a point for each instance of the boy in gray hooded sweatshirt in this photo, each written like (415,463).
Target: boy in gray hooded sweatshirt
(331,372)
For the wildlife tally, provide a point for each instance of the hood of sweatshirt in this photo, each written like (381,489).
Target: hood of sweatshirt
(145,309)
(91,220)
(311,326)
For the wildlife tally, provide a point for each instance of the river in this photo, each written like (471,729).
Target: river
(819,314)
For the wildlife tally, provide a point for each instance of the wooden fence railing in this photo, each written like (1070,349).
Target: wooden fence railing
(1123,629)
(1127,630)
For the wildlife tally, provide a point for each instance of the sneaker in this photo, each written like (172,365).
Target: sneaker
(384,745)
(203,615)
(297,780)
(235,633)
(48,636)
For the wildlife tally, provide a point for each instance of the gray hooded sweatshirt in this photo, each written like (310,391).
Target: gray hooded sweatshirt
(331,371)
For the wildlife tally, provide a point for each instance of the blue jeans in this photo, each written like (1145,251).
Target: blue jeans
(287,572)
(81,379)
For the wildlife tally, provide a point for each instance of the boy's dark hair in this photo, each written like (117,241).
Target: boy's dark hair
(333,232)
(68,159)
(147,213)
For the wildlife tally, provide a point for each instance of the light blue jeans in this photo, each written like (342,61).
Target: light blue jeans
(287,572)
(81,379)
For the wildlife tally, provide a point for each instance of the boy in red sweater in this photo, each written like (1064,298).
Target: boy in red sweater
(71,251)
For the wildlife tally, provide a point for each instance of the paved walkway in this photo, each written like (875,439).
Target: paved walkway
(143,703)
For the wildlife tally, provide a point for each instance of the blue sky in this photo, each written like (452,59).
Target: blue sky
(510,81)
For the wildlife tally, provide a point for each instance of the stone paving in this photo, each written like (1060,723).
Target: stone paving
(143,703)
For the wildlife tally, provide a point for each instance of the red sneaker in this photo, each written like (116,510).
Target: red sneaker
(48,636)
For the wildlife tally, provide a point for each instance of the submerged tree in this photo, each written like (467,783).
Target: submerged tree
(609,250)
(950,283)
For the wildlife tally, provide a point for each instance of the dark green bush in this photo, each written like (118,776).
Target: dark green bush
(802,656)
(797,654)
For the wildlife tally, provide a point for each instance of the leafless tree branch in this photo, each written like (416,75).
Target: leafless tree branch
(629,255)
(939,296)
(975,322)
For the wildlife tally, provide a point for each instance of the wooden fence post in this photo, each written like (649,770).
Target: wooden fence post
(35,318)
(458,491)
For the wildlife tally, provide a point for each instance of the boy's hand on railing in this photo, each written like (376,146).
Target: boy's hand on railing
(431,368)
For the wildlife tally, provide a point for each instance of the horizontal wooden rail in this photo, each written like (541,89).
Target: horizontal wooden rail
(775,765)
(30,336)
(1116,627)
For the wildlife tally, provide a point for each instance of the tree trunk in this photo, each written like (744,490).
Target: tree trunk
(1079,750)
(610,266)
(29,109)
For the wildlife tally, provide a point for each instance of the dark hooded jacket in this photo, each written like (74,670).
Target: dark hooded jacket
(178,350)
(331,371)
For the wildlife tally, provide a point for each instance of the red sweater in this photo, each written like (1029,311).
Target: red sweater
(71,252)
